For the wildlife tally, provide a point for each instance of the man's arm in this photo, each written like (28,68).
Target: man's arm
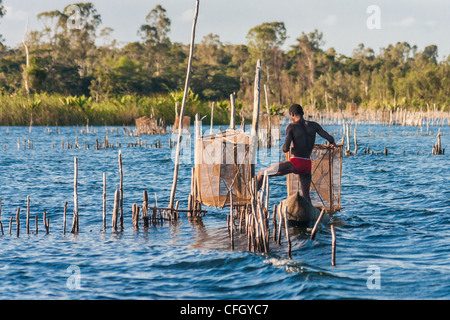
(325,134)
(287,141)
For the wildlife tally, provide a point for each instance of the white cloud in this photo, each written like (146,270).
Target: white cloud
(330,20)
(406,22)
(12,14)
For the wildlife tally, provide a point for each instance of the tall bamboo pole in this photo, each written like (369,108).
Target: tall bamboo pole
(255,122)
(212,118)
(27,54)
(183,106)
(269,120)
(233,112)
(198,130)
(256,98)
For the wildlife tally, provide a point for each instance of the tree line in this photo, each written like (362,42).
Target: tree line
(68,60)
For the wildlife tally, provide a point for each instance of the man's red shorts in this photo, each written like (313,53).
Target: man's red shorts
(303,165)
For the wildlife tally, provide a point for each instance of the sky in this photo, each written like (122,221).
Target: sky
(344,23)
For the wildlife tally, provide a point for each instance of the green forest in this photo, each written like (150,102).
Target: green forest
(64,75)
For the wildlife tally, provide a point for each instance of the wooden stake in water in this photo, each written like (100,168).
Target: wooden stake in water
(46,223)
(121,189)
(231,221)
(347,133)
(183,106)
(18,221)
(262,227)
(437,148)
(280,223)
(104,201)
(145,210)
(177,205)
(28,214)
(314,230)
(1,225)
(136,211)
(333,246)
(64,218)
(75,227)
(116,210)
(267,190)
(10,224)
(286,226)
(274,222)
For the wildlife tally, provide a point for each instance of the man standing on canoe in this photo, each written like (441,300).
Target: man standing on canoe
(302,135)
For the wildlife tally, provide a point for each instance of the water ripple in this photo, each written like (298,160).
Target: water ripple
(395,218)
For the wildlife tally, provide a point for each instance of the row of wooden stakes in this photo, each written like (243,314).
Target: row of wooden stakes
(90,130)
(17,219)
(107,145)
(253,221)
(29,144)
(140,217)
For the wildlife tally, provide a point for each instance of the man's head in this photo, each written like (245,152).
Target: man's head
(296,111)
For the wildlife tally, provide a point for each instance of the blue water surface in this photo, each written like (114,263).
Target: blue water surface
(393,242)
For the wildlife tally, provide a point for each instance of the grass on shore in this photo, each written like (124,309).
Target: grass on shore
(50,110)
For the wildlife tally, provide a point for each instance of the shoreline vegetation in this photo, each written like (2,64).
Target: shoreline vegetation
(57,110)
(74,72)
